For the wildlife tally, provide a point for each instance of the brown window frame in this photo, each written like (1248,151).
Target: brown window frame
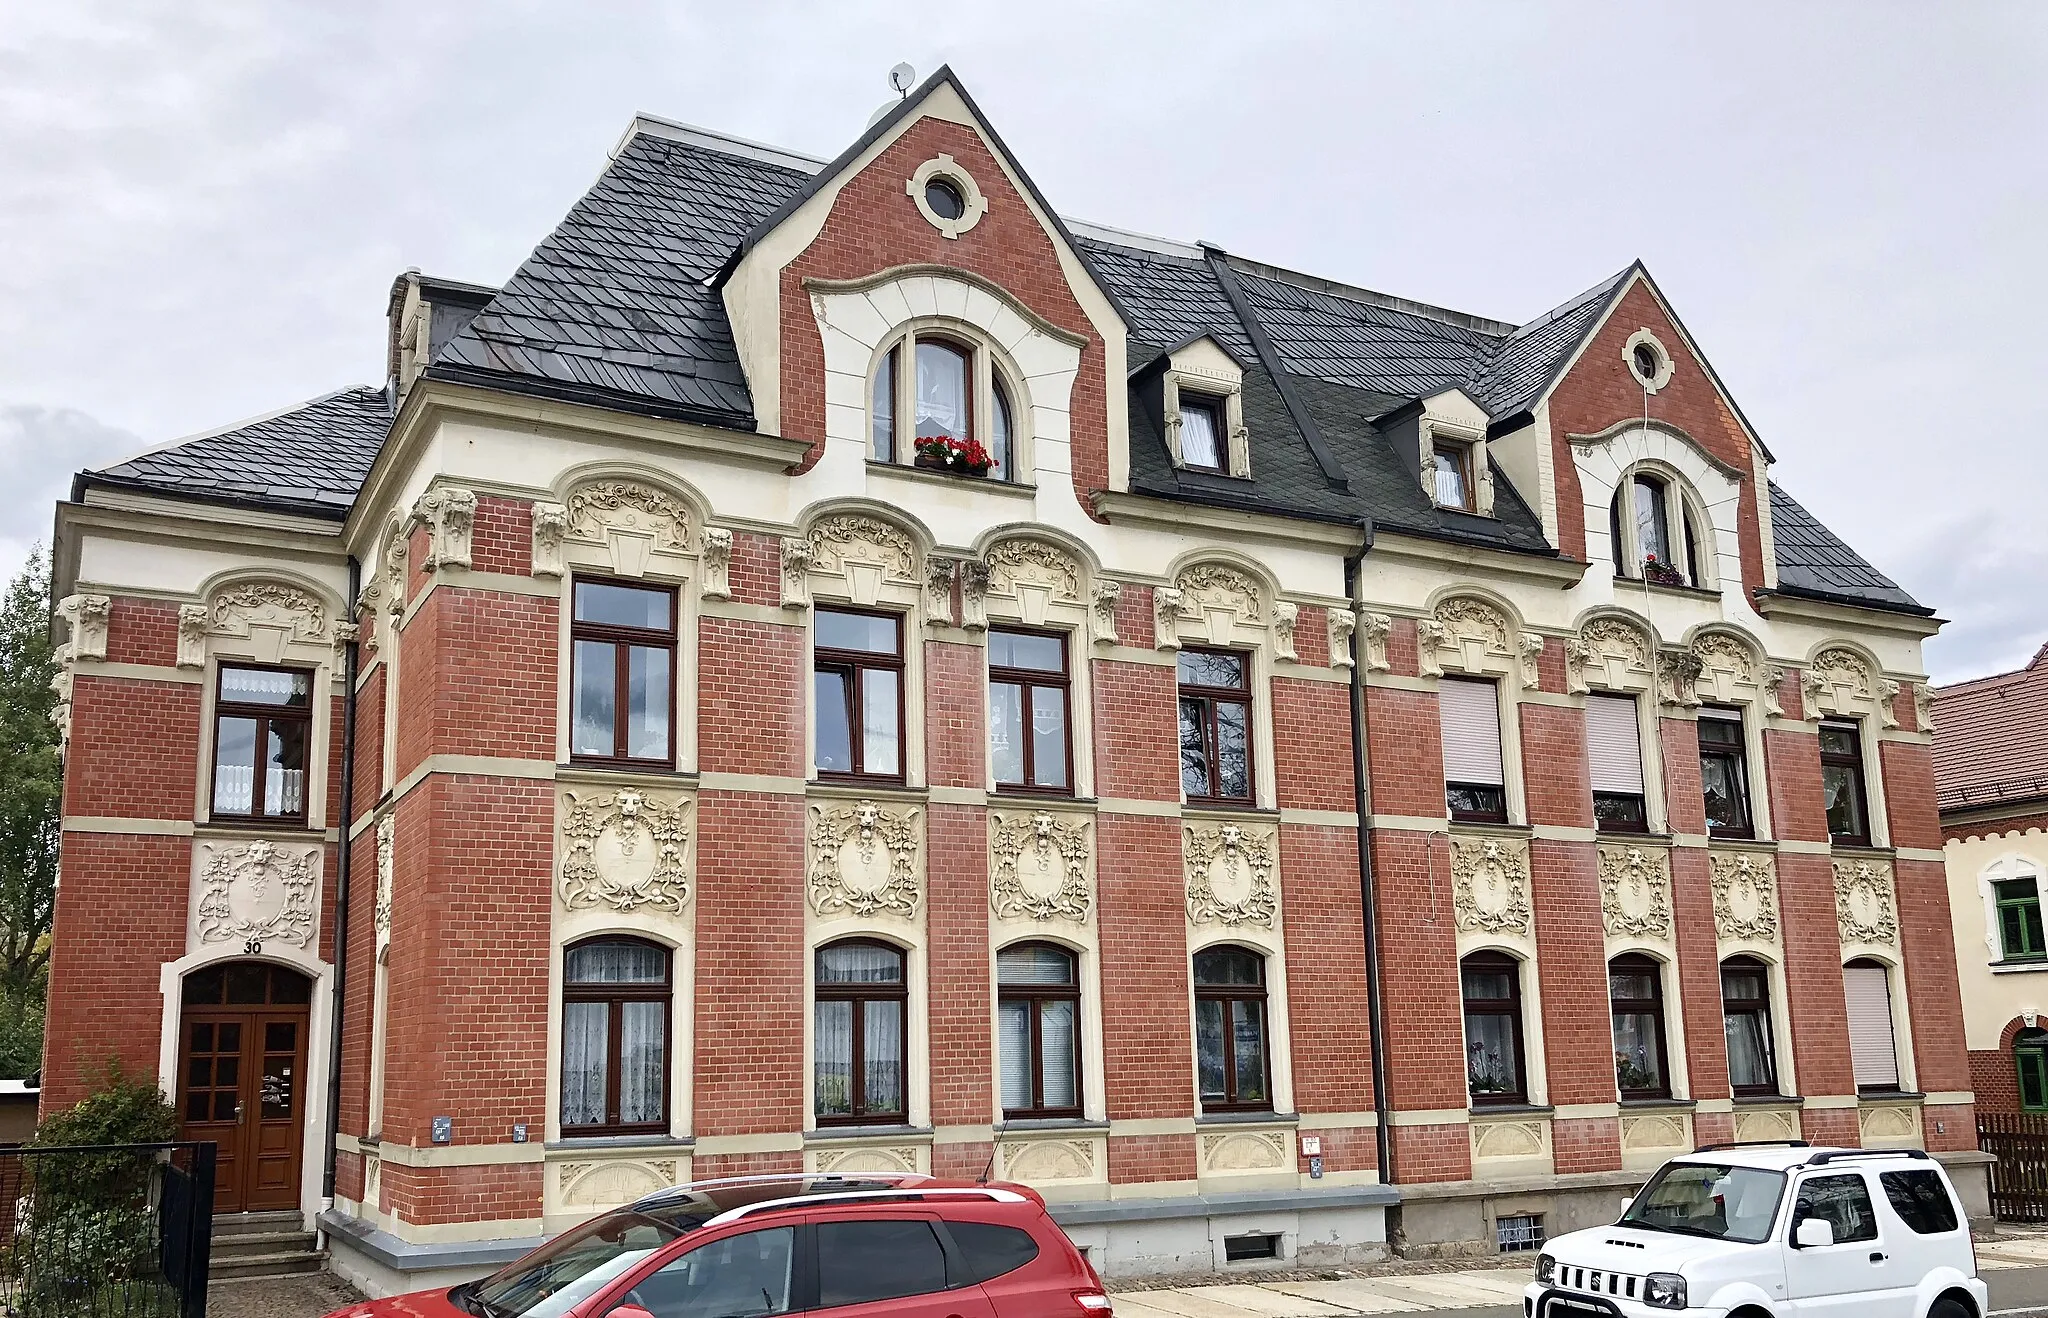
(1461,453)
(1213,404)
(1465,814)
(899,360)
(614,996)
(1030,679)
(623,640)
(853,663)
(1739,754)
(1034,995)
(264,715)
(857,994)
(1491,962)
(1760,1007)
(1231,997)
(1852,760)
(1210,696)
(1635,963)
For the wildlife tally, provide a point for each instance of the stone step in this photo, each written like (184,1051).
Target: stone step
(282,1264)
(232,1224)
(243,1244)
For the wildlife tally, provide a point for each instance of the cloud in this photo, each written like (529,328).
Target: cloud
(40,449)
(1984,572)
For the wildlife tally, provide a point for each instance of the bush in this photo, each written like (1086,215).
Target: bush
(123,1110)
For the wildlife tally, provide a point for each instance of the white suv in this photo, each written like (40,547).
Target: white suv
(1769,1231)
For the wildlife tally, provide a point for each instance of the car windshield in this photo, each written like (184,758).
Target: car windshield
(569,1269)
(1709,1199)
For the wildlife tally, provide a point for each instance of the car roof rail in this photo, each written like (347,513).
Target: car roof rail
(776,1178)
(988,1192)
(1826,1156)
(1753,1144)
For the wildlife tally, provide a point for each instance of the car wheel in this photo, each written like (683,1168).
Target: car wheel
(1948,1306)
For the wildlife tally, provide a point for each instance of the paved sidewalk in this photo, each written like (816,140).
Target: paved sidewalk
(1403,1293)
(307,1296)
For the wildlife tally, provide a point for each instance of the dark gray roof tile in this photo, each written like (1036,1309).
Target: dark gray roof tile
(1814,560)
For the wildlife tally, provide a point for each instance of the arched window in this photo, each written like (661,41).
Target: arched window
(1038,1014)
(1492,986)
(859,1030)
(1655,533)
(937,400)
(616,996)
(1230,1030)
(2030,1055)
(1635,988)
(1746,1018)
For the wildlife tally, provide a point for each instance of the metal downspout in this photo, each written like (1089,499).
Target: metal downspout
(1368,891)
(349,660)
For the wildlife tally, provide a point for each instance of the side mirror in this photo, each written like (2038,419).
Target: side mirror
(1811,1233)
(628,1311)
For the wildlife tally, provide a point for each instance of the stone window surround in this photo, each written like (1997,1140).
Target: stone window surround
(1682,509)
(1082,944)
(909,939)
(1214,628)
(1605,459)
(889,594)
(1892,959)
(1872,713)
(944,167)
(1640,686)
(1509,673)
(987,364)
(2009,866)
(1644,338)
(1437,429)
(1203,369)
(1072,619)
(1677,1077)
(1784,1060)
(1522,950)
(1269,944)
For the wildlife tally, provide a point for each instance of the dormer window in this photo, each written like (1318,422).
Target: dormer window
(937,400)
(1647,510)
(1453,475)
(1202,404)
(1201,431)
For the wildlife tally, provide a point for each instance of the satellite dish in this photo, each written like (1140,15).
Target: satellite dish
(902,78)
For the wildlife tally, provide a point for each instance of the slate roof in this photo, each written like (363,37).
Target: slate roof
(310,458)
(1991,738)
(619,307)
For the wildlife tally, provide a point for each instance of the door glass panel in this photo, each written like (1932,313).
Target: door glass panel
(862,1262)
(287,987)
(280,1037)
(246,984)
(196,1106)
(747,1275)
(227,1072)
(230,1037)
(199,1072)
(225,1105)
(202,1037)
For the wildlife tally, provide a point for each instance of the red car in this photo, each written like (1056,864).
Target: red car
(828,1246)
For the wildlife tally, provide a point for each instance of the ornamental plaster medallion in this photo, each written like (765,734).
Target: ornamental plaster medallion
(1745,896)
(597,1185)
(387,839)
(1490,884)
(267,604)
(1610,652)
(88,616)
(1635,890)
(796,573)
(1471,630)
(1034,573)
(1229,875)
(940,572)
(1678,678)
(1837,682)
(1655,1130)
(716,558)
(1050,1160)
(1220,596)
(1343,624)
(1245,1151)
(1165,618)
(852,538)
(195,624)
(1285,616)
(449,514)
(1102,611)
(974,595)
(1039,867)
(600,507)
(550,526)
(1864,904)
(256,893)
(625,850)
(864,860)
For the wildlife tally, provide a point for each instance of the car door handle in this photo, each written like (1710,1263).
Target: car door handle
(1877,1258)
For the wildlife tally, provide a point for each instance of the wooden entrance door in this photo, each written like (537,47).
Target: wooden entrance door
(242,1068)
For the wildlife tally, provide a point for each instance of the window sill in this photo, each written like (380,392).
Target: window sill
(1483,828)
(1047,1125)
(1511,1110)
(857,788)
(1742,843)
(1266,1117)
(929,475)
(611,769)
(573,1142)
(890,1131)
(1209,805)
(1623,835)
(1885,1097)
(1870,849)
(1056,795)
(2017,967)
(1768,1100)
(1651,1104)
(1622,581)
(237,824)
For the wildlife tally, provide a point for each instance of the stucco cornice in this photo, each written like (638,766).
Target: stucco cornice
(1776,605)
(896,272)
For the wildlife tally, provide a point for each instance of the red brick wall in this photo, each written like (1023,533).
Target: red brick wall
(134,750)
(142,631)
(1932,992)
(463,1194)
(750,684)
(1326,1003)
(501,538)
(955,714)
(1136,731)
(1909,794)
(1312,746)
(1405,754)
(1995,1080)
(1699,973)
(1792,774)
(1147,1033)
(956,840)
(1555,772)
(1419,965)
(1813,975)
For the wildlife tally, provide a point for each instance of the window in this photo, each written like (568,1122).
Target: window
(857,680)
(1201,432)
(1614,745)
(1842,1201)
(1645,360)
(1453,475)
(1709,1199)
(1635,989)
(1517,1233)
(1250,1247)
(615,1014)
(863,1262)
(747,1274)
(943,196)
(989,1251)
(1921,1201)
(262,730)
(2019,919)
(859,1029)
(1724,773)
(1215,725)
(1493,1028)
(1746,1019)
(2030,1055)
(1230,1030)
(1640,522)
(1470,723)
(623,645)
(1028,699)
(1841,780)
(929,385)
(1873,1054)
(1038,1014)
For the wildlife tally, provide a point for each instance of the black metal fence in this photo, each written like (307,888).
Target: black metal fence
(107,1231)
(2019,1179)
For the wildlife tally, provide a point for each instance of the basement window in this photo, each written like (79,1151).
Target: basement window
(1518,1233)
(1251,1248)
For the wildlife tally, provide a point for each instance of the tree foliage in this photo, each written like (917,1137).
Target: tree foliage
(31,786)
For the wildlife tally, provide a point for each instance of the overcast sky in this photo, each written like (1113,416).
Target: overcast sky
(202,205)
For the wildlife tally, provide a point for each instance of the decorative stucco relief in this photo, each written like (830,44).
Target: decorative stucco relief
(1655,1130)
(974,595)
(387,844)
(1745,887)
(1531,645)
(796,573)
(195,624)
(865,859)
(1509,1139)
(1609,653)
(1635,891)
(1219,598)
(1900,1122)
(1102,611)
(1285,615)
(1034,573)
(256,893)
(716,557)
(1923,705)
(625,850)
(395,551)
(1490,884)
(449,514)
(88,616)
(893,1158)
(941,571)
(1464,633)
(598,508)
(1864,902)
(1841,682)
(1343,625)
(1725,664)
(1230,874)
(1246,1151)
(236,609)
(1678,678)
(600,1184)
(1049,1160)
(1039,866)
(1165,618)
(851,538)
(345,635)
(550,526)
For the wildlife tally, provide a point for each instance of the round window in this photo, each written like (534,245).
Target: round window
(942,195)
(1647,364)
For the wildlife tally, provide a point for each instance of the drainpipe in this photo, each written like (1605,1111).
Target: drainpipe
(1368,892)
(341,877)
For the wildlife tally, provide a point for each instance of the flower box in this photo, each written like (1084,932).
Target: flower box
(959,457)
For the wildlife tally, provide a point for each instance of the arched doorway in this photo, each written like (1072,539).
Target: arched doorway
(241,1079)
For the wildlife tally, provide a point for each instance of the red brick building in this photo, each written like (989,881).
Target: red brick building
(641,742)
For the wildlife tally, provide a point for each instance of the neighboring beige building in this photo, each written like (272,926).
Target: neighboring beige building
(1991,777)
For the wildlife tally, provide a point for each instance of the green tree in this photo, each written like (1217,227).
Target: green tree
(31,785)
